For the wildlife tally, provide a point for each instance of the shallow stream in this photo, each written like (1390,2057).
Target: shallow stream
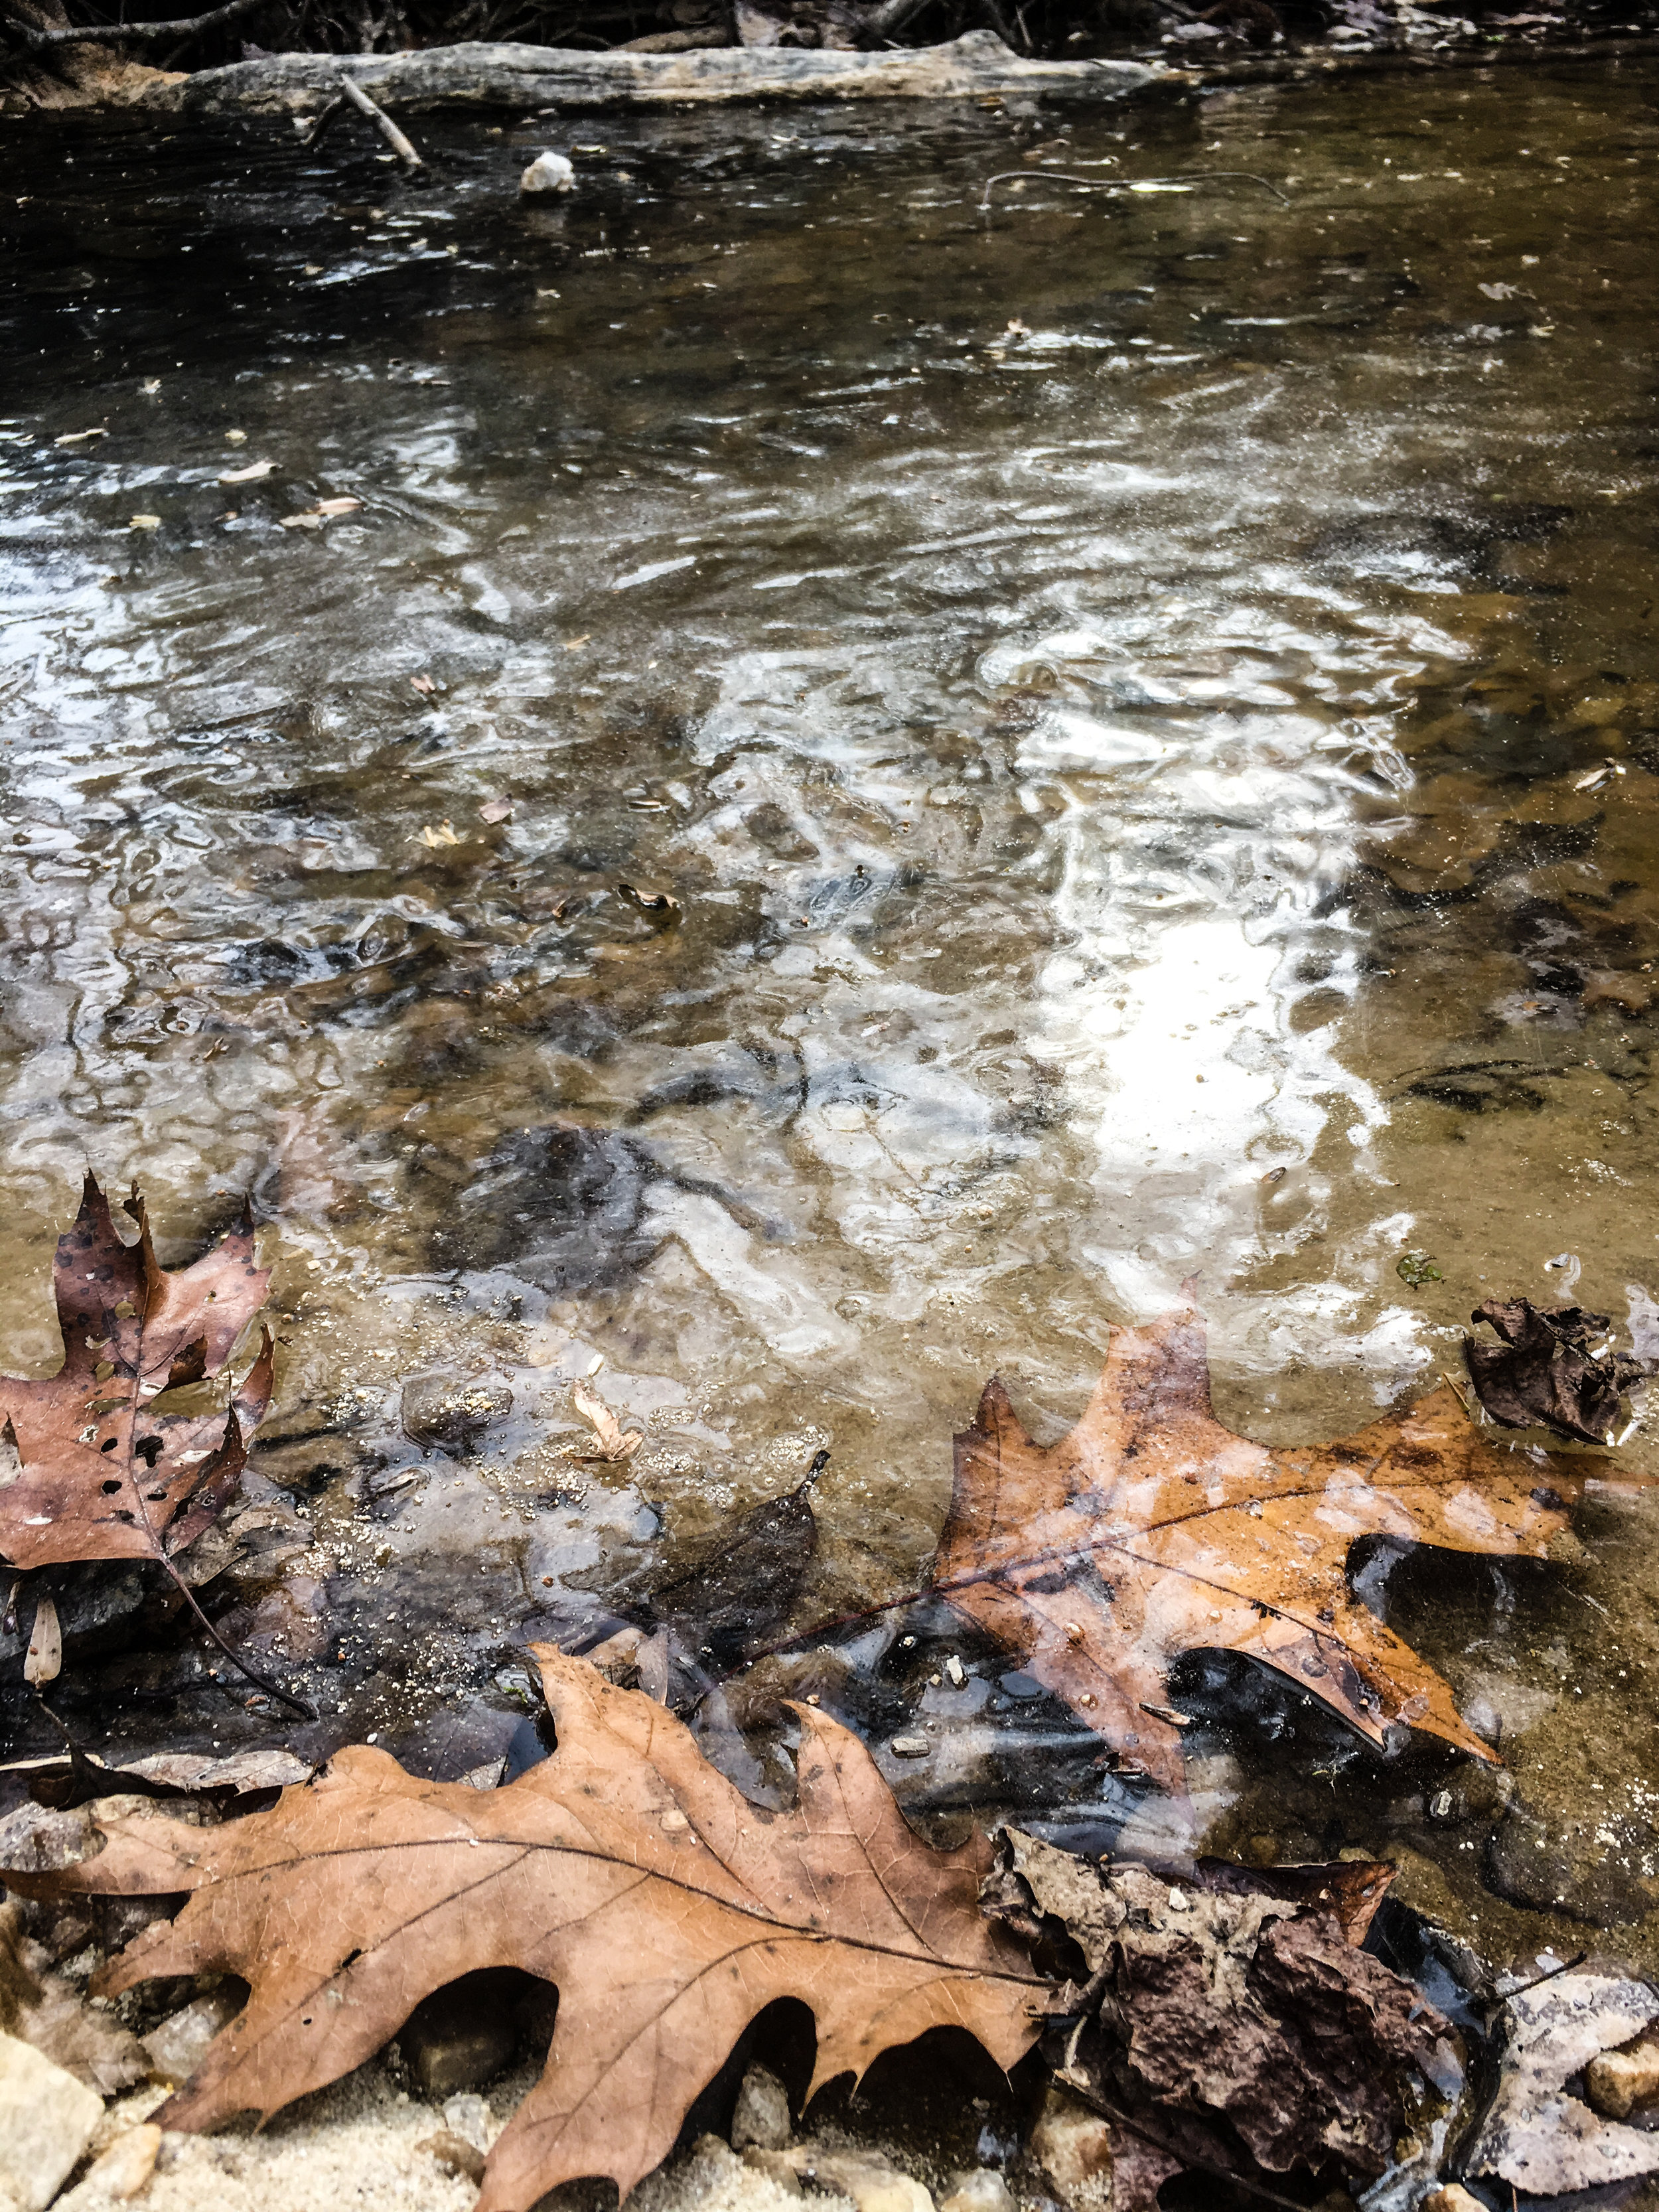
(873,783)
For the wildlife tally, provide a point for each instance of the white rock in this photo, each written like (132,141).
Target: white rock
(910,1747)
(549,173)
(177,2047)
(468,2115)
(127,2166)
(872,2183)
(980,2189)
(46,2120)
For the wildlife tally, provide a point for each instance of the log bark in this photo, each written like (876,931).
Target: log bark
(501,76)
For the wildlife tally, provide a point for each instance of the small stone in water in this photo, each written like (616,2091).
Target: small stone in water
(955,1672)
(549,173)
(910,1747)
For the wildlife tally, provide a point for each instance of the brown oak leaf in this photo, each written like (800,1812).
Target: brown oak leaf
(1152,1530)
(99,1474)
(666,1908)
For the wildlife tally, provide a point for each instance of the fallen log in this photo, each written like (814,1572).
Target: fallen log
(476,74)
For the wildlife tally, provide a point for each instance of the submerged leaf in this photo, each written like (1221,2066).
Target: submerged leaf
(666,1908)
(1152,1530)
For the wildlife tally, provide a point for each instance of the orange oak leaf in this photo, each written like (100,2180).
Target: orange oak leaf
(667,1909)
(1152,1530)
(100,1475)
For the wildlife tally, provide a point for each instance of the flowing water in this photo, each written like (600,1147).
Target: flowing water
(870,784)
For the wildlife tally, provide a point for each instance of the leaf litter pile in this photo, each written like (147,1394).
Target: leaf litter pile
(1242,2026)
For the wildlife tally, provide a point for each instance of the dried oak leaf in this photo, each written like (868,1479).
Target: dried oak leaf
(1237,2031)
(99,1474)
(1152,1530)
(1545,1373)
(666,1908)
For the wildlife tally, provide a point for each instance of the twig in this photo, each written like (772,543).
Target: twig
(324,115)
(1127,184)
(382,122)
(77,34)
(271,1689)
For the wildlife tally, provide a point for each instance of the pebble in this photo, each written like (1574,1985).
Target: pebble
(873,2184)
(910,1747)
(762,2116)
(777,2167)
(1452,2196)
(468,2117)
(177,2047)
(1072,2145)
(451,1412)
(955,1672)
(979,2189)
(454,2154)
(46,2120)
(1616,2081)
(127,2166)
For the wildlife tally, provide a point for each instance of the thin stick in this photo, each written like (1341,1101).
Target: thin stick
(324,115)
(271,1689)
(77,34)
(383,123)
(252,1673)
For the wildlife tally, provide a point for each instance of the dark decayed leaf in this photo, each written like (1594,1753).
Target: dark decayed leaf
(724,1607)
(100,1476)
(1545,1372)
(666,1908)
(1235,2031)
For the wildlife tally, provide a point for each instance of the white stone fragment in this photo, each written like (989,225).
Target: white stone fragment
(549,173)
(46,2120)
